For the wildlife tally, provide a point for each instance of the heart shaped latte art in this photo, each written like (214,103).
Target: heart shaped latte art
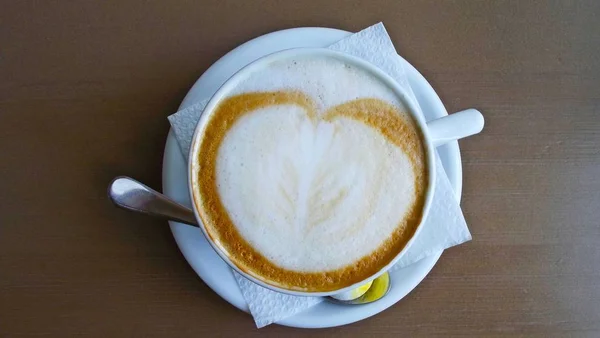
(310,199)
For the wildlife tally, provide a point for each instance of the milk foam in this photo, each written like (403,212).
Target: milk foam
(307,193)
(328,81)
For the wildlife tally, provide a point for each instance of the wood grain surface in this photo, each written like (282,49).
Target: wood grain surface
(85,88)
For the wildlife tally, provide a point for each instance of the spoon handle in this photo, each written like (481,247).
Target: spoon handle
(129,194)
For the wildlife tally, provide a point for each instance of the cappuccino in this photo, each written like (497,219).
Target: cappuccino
(310,175)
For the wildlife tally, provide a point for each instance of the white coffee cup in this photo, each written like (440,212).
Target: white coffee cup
(435,133)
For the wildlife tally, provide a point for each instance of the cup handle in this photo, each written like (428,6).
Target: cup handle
(455,126)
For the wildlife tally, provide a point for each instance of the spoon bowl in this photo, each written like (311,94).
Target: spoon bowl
(380,287)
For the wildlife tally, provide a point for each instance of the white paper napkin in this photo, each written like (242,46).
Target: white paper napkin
(444,227)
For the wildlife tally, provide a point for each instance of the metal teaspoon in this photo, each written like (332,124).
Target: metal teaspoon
(129,194)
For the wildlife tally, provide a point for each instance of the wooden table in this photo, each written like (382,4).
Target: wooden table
(85,88)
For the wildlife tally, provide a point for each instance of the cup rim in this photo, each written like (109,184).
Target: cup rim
(230,84)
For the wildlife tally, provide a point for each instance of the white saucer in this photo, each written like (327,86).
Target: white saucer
(200,255)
